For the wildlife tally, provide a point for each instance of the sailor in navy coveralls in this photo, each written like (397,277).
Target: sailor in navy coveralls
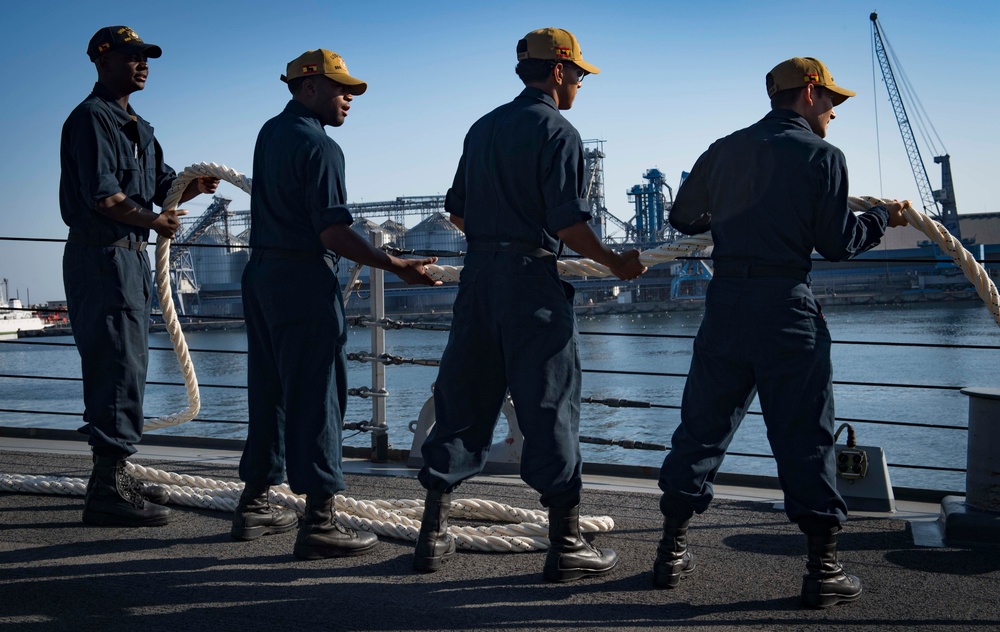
(296,330)
(770,194)
(519,189)
(112,173)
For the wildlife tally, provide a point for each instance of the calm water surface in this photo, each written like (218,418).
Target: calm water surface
(409,385)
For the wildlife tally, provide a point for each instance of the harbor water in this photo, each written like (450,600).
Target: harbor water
(871,370)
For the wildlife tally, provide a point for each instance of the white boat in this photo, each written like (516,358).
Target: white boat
(13,318)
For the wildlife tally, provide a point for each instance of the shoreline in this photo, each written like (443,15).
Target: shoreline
(916,298)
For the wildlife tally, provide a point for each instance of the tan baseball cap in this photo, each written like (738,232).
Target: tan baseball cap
(323,62)
(555,44)
(802,71)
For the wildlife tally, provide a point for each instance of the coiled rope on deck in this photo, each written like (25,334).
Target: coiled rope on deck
(397,519)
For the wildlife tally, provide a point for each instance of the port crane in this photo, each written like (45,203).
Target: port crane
(948,213)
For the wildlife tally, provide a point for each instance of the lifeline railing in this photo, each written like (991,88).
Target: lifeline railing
(976,273)
(378,357)
(381,361)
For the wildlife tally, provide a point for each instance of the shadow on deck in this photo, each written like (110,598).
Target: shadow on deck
(58,574)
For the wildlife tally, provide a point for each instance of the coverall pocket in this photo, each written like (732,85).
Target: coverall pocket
(130,178)
(122,284)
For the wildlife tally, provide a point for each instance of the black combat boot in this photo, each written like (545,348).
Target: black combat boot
(254,516)
(434,545)
(153,493)
(114,498)
(570,556)
(826,584)
(321,536)
(674,561)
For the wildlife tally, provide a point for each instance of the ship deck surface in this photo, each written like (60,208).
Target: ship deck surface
(58,574)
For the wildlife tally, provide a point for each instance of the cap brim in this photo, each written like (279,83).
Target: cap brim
(591,68)
(840,94)
(357,86)
(151,51)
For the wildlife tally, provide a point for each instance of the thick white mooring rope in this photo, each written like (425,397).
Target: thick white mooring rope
(165,295)
(973,270)
(399,519)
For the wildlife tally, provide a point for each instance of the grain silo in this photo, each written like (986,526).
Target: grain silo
(218,269)
(436,233)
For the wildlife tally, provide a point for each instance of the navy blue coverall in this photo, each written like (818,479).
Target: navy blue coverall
(296,329)
(105,150)
(771,194)
(519,182)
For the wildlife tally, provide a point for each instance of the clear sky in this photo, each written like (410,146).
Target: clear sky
(675,76)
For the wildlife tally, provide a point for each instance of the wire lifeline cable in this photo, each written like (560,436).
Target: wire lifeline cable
(525,536)
(222,495)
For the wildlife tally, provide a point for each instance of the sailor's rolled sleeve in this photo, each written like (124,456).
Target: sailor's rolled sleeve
(325,191)
(454,200)
(565,215)
(91,136)
(840,233)
(563,187)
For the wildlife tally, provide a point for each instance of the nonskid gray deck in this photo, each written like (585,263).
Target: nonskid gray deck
(57,574)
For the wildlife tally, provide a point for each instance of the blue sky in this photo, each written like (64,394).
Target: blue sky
(675,77)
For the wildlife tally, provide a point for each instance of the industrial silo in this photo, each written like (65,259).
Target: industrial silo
(218,269)
(439,234)
(395,233)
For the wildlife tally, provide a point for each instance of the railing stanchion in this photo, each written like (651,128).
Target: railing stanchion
(380,436)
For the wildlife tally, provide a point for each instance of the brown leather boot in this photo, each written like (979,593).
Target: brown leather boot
(434,545)
(571,557)
(115,499)
(321,535)
(826,584)
(255,516)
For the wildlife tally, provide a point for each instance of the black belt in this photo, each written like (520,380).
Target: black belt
(293,255)
(742,270)
(510,246)
(128,242)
